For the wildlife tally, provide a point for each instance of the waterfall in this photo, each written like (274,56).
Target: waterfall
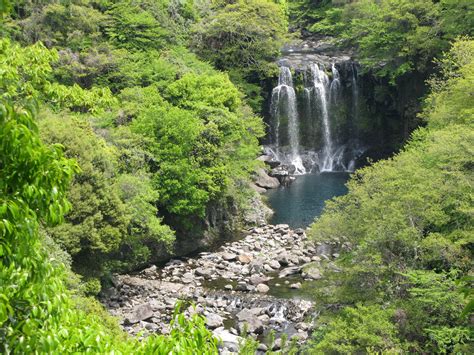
(284,96)
(323,135)
(335,87)
(320,87)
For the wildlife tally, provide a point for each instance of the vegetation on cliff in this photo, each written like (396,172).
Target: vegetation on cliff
(405,231)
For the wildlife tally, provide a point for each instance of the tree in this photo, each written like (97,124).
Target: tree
(246,34)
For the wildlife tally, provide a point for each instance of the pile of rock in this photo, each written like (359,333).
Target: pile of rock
(229,287)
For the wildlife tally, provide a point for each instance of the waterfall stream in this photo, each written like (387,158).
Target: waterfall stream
(284,103)
(310,140)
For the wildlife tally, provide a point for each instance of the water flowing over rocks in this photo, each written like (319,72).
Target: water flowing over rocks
(252,285)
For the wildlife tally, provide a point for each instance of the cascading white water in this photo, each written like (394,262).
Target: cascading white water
(335,87)
(320,87)
(284,94)
(322,106)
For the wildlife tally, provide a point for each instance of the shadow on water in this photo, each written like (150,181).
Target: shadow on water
(301,202)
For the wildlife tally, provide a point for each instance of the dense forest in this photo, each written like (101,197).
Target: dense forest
(129,132)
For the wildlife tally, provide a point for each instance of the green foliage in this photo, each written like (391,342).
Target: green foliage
(113,216)
(392,37)
(37,313)
(360,329)
(415,251)
(133,27)
(25,73)
(244,37)
(199,143)
(72,24)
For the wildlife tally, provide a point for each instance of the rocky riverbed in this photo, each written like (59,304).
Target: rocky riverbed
(252,285)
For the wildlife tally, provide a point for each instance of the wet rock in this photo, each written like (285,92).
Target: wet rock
(262,288)
(292,270)
(266,181)
(241,286)
(262,347)
(228,287)
(296,285)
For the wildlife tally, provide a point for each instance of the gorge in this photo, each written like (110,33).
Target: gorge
(144,145)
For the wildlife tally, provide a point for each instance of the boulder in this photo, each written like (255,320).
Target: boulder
(200,271)
(228,340)
(311,272)
(214,320)
(262,288)
(292,270)
(274,264)
(296,286)
(140,313)
(266,181)
(229,256)
(245,258)
(257,279)
(253,326)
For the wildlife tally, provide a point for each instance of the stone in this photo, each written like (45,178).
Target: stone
(229,287)
(274,264)
(150,271)
(241,286)
(283,259)
(257,279)
(253,326)
(300,335)
(262,288)
(268,268)
(296,286)
(311,272)
(256,266)
(262,347)
(229,340)
(139,313)
(200,271)
(257,189)
(214,320)
(266,181)
(277,344)
(229,256)
(292,270)
(151,327)
(302,326)
(245,258)
(299,231)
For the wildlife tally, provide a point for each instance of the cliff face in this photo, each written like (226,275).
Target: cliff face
(367,117)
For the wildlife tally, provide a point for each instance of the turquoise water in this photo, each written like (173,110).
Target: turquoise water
(302,201)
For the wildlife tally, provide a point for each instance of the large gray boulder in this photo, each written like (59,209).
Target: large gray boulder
(140,313)
(311,272)
(264,180)
(227,339)
(292,270)
(214,320)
